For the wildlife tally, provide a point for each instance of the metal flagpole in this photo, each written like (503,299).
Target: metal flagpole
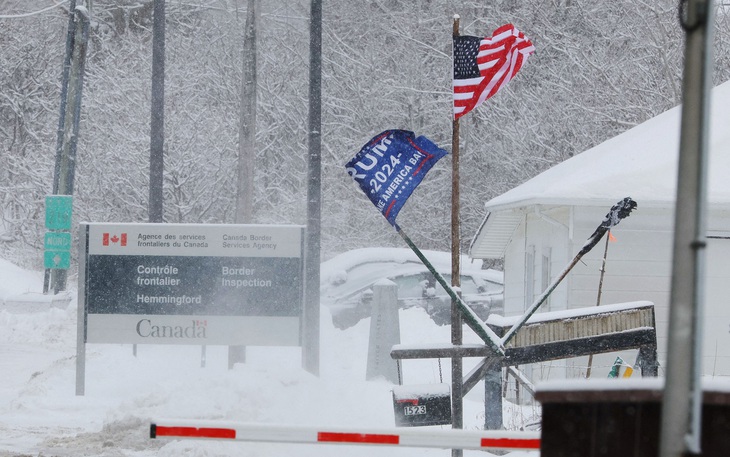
(456,324)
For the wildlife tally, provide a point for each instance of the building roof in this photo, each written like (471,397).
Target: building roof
(640,163)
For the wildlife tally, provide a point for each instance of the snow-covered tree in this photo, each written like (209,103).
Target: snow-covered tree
(600,68)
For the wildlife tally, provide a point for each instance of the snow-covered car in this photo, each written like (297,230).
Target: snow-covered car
(347,281)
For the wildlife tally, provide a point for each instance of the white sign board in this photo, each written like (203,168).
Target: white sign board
(192,284)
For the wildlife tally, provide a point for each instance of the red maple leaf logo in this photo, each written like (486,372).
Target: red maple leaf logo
(106,238)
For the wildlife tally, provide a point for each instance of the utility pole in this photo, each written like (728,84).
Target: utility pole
(157,119)
(246,141)
(68,126)
(61,117)
(310,351)
(247,121)
(70,34)
(157,122)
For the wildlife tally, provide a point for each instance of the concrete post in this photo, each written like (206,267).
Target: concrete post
(384,332)
(493,419)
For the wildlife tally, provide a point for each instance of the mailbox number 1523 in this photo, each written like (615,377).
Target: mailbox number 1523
(414,410)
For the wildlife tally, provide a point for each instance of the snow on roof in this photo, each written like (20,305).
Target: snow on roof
(605,385)
(502,321)
(640,163)
(600,384)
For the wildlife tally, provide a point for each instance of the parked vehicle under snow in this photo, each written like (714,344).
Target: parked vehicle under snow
(347,280)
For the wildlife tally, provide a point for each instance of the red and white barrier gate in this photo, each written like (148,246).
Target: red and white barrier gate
(432,438)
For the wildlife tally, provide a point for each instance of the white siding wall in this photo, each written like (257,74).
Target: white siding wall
(716,331)
(638,263)
(514,273)
(541,241)
(638,267)
(544,234)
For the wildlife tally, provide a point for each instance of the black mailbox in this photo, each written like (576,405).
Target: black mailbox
(421,405)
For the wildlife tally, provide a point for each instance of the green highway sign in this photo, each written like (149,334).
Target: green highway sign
(57,241)
(58,212)
(60,260)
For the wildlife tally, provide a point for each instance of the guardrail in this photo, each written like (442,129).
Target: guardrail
(272,433)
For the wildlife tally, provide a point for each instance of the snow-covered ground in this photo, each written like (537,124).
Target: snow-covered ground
(40,415)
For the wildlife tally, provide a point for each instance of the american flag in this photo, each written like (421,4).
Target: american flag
(482,66)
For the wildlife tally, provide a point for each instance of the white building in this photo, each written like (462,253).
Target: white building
(539,226)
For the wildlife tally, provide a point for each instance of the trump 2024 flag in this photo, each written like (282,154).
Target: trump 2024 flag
(390,166)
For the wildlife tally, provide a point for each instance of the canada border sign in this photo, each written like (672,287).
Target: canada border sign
(200,284)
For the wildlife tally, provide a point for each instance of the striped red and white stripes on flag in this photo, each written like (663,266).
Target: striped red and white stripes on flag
(402,437)
(482,66)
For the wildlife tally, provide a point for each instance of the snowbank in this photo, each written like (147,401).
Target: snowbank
(40,414)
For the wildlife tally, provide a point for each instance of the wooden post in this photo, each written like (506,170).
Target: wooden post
(456,329)
(598,299)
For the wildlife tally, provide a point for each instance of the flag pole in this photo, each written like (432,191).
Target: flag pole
(456,323)
(456,333)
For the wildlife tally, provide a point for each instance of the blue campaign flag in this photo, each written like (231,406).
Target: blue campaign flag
(390,167)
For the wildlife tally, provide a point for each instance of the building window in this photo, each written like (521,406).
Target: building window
(529,276)
(546,274)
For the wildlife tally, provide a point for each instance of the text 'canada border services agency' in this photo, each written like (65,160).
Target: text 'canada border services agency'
(258,242)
